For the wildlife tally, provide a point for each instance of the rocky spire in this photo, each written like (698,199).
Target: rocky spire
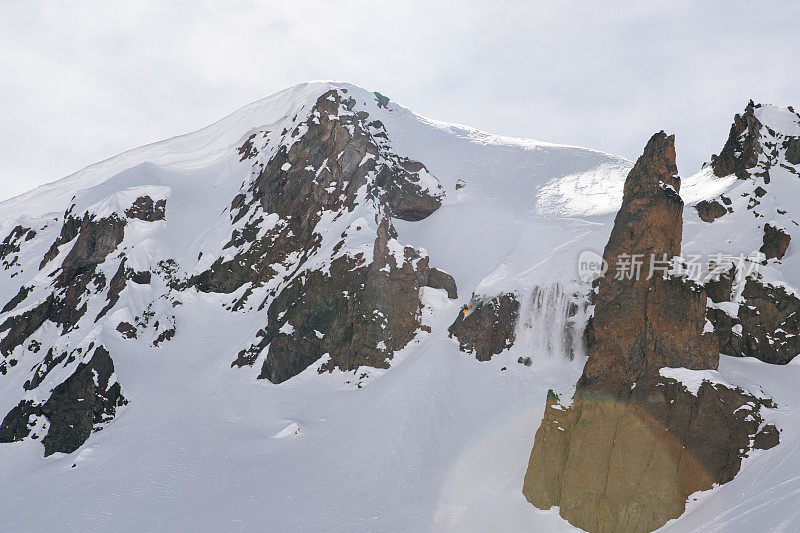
(742,147)
(635,444)
(643,319)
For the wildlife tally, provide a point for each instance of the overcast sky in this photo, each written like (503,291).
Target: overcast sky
(82,81)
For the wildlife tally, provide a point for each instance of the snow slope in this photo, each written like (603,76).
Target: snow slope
(437,442)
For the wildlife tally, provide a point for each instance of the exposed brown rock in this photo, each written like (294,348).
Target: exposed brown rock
(69,230)
(144,208)
(627,463)
(96,239)
(766,325)
(767,438)
(634,445)
(359,314)
(770,321)
(645,324)
(709,211)
(13,241)
(720,284)
(127,329)
(18,299)
(50,361)
(83,401)
(15,425)
(141,278)
(114,288)
(775,243)
(488,328)
(336,146)
(742,148)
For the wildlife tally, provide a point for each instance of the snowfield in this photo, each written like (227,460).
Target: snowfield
(437,442)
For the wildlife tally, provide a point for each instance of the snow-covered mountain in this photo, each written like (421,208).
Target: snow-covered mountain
(258,324)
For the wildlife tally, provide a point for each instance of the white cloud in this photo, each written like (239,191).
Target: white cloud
(84,81)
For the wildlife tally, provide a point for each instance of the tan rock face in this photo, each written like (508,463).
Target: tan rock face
(628,462)
(634,444)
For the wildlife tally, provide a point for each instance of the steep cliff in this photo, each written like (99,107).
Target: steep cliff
(635,442)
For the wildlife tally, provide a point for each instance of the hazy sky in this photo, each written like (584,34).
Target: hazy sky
(82,81)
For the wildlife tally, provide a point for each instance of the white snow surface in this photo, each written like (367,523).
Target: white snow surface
(437,442)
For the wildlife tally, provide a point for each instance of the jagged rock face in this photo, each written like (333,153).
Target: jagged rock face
(89,396)
(324,170)
(742,148)
(144,208)
(792,147)
(96,238)
(776,241)
(81,404)
(753,317)
(356,313)
(488,327)
(635,444)
(438,279)
(765,324)
(326,294)
(11,246)
(642,324)
(357,310)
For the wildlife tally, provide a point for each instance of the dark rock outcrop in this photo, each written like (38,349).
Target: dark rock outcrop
(776,241)
(742,148)
(12,244)
(770,320)
(76,407)
(16,424)
(710,210)
(634,444)
(95,239)
(83,401)
(323,170)
(488,328)
(792,146)
(144,208)
(766,326)
(356,313)
(438,279)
